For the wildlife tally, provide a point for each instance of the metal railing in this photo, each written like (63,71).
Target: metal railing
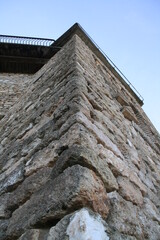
(114,66)
(26,40)
(49,42)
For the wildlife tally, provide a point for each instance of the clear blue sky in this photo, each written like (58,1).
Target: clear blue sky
(128,31)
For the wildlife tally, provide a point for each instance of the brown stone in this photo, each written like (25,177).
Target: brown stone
(128,113)
(75,187)
(121,99)
(129,191)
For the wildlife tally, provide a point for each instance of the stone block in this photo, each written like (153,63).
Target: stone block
(34,234)
(98,134)
(10,181)
(121,99)
(129,191)
(120,168)
(74,188)
(41,159)
(123,217)
(129,114)
(87,158)
(3,229)
(83,224)
(30,185)
(4,212)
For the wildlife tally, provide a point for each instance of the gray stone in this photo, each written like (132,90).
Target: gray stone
(123,217)
(27,188)
(10,181)
(87,158)
(34,234)
(3,229)
(118,236)
(58,232)
(4,212)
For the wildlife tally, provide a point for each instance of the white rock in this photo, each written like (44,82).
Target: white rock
(129,143)
(84,226)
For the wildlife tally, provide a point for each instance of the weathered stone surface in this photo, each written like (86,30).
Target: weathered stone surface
(129,191)
(83,224)
(131,220)
(28,149)
(123,217)
(34,234)
(8,182)
(27,188)
(4,213)
(87,158)
(129,114)
(151,211)
(3,229)
(37,161)
(119,167)
(99,134)
(59,230)
(12,87)
(151,228)
(67,114)
(120,98)
(119,236)
(75,187)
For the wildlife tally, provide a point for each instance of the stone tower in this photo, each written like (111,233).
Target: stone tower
(80,160)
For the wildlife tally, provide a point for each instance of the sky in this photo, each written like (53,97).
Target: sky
(128,31)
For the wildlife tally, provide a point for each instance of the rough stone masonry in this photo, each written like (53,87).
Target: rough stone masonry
(80,160)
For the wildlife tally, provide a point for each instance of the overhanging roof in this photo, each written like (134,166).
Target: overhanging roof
(24,55)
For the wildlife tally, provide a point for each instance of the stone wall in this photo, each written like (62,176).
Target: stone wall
(79,157)
(12,87)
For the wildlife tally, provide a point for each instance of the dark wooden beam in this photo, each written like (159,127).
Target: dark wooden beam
(19,59)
